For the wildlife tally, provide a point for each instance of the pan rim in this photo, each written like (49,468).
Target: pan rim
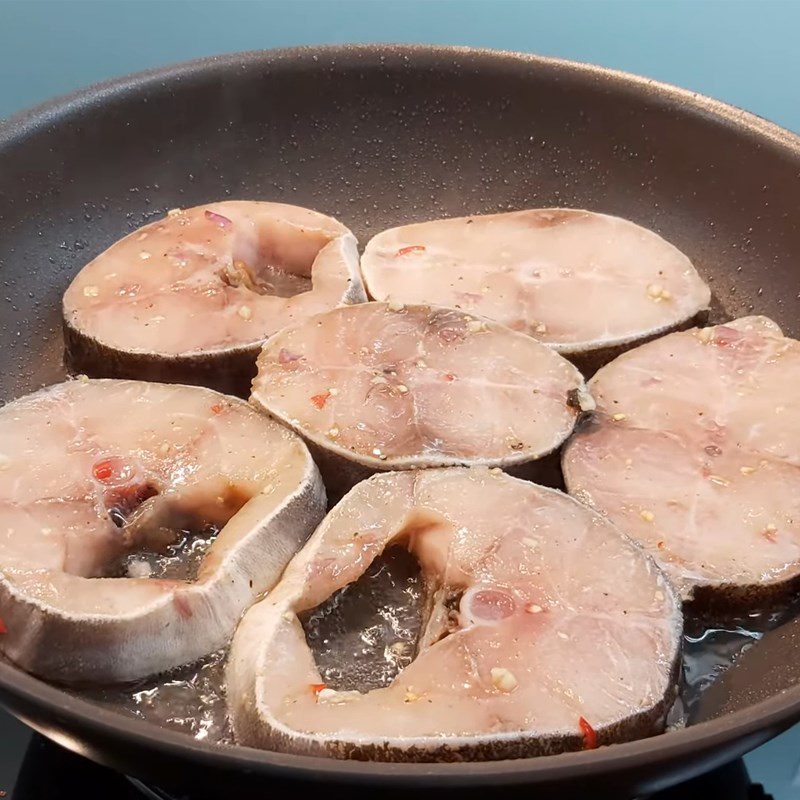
(759,722)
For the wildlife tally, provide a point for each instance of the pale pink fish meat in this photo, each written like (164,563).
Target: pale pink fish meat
(207,282)
(695,452)
(546,628)
(93,470)
(576,280)
(414,386)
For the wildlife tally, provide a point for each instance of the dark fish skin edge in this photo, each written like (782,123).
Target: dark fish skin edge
(228,371)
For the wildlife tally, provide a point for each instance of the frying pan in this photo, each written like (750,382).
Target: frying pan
(377,136)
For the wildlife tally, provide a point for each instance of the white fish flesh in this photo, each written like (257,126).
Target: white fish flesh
(386,387)
(694,451)
(576,280)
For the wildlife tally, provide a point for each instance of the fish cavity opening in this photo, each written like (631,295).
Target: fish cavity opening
(366,633)
(161,539)
(277,261)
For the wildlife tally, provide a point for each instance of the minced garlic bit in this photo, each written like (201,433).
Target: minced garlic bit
(333,432)
(747,470)
(142,236)
(476,325)
(421,364)
(288,616)
(402,388)
(83,378)
(378,380)
(244,312)
(656,292)
(659,595)
(647,516)
(771,528)
(533,608)
(705,335)
(585,400)
(495,471)
(395,307)
(336,698)
(333,391)
(503,679)
(144,255)
(719,480)
(532,543)
(619,417)
(410,697)
(540,328)
(173,212)
(562,635)
(91,291)
(139,569)
(376,451)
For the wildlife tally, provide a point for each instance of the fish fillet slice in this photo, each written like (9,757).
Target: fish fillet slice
(192,297)
(376,387)
(91,471)
(579,281)
(695,452)
(545,627)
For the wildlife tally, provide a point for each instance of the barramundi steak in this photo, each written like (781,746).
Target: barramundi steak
(379,387)
(694,451)
(99,477)
(545,629)
(191,298)
(576,280)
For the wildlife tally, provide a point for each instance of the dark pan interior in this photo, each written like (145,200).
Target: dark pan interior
(378,136)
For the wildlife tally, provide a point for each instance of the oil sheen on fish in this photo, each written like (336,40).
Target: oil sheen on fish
(545,628)
(94,471)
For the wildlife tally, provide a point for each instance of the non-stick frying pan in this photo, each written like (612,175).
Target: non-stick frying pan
(377,136)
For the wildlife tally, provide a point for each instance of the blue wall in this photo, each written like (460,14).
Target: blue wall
(746,53)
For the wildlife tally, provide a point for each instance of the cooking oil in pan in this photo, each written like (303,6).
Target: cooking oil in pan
(366,633)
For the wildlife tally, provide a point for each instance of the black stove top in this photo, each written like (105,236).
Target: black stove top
(34,768)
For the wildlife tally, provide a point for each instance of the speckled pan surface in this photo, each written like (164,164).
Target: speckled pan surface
(378,136)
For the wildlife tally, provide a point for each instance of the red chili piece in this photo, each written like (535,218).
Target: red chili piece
(216,408)
(317,687)
(414,248)
(319,400)
(103,470)
(449,377)
(3,628)
(589,734)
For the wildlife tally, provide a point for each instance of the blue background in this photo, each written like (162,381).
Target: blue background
(746,53)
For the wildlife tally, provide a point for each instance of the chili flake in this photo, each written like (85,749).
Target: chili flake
(319,400)
(3,628)
(414,248)
(589,734)
(317,687)
(216,408)
(449,377)
(103,470)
